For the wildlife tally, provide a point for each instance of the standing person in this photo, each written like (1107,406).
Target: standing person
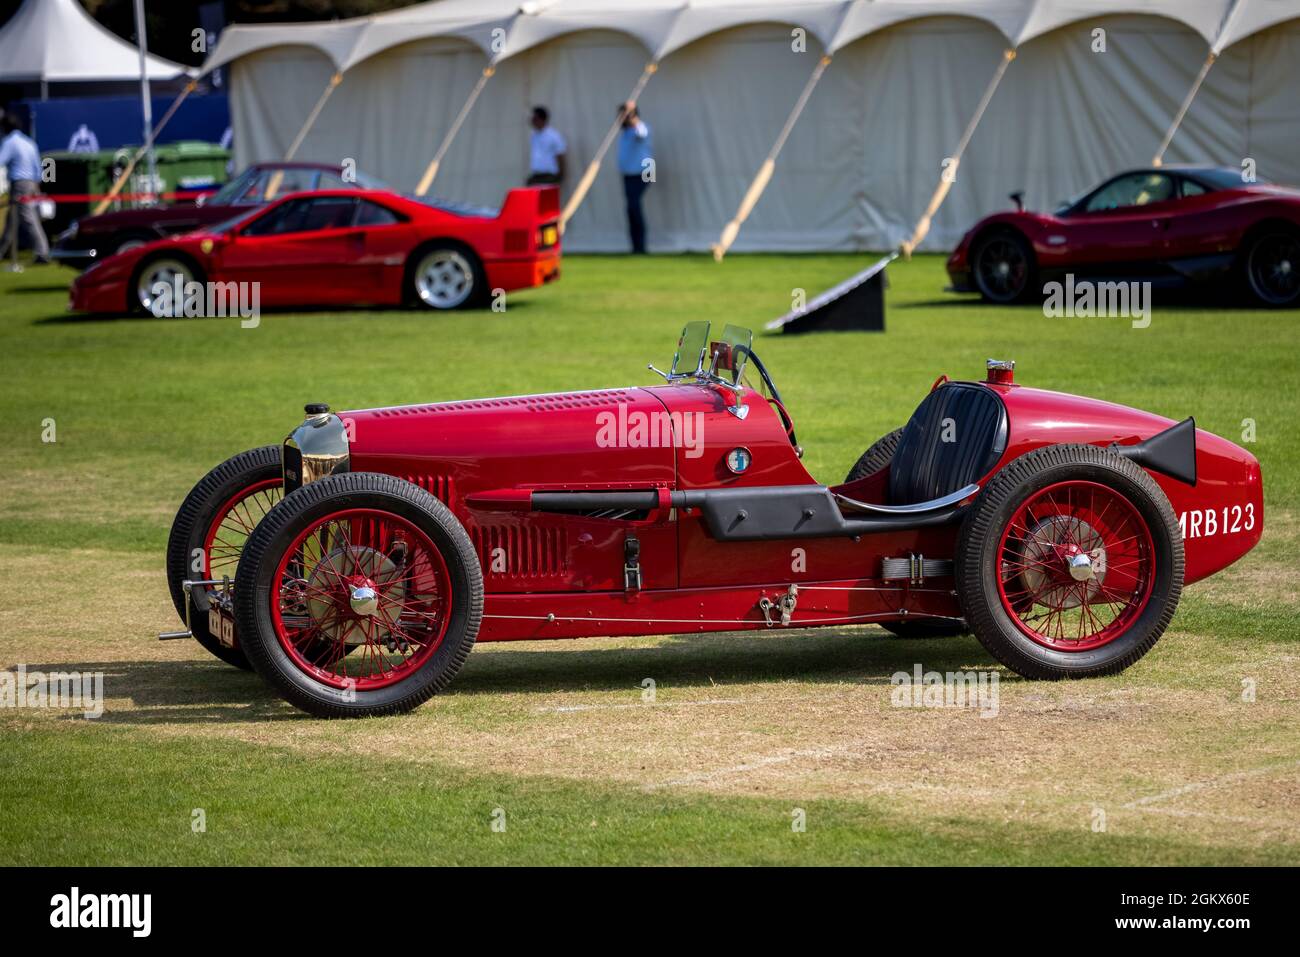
(546,149)
(22,161)
(635,159)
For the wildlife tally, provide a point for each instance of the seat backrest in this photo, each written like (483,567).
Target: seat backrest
(925,466)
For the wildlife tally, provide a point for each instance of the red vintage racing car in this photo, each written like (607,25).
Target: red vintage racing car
(340,247)
(1171,226)
(355,565)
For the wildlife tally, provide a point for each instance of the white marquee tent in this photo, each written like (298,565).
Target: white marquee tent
(1093,88)
(51,41)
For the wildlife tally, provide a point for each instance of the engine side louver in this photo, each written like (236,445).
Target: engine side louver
(521,552)
(439,486)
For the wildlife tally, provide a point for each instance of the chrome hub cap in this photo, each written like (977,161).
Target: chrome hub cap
(343,594)
(444,279)
(1063,553)
(364,601)
(1080,566)
(165,271)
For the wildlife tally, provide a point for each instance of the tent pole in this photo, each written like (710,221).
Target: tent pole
(1213,55)
(589,174)
(335,80)
(950,174)
(150,138)
(146,98)
(432,169)
(1159,158)
(764,174)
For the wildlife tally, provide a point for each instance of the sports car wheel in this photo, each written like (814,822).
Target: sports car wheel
(376,571)
(1273,268)
(169,271)
(210,529)
(447,277)
(1003,265)
(1070,563)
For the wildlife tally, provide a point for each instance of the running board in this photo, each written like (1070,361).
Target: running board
(745,514)
(806,511)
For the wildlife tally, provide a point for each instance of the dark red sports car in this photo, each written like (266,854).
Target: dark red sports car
(340,247)
(93,238)
(1169,226)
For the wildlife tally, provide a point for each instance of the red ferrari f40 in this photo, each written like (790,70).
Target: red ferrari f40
(342,247)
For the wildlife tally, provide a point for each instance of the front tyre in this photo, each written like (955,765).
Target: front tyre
(158,286)
(375,571)
(1070,563)
(208,534)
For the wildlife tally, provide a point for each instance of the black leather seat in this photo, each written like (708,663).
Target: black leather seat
(924,466)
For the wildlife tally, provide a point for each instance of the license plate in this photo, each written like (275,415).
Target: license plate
(221,626)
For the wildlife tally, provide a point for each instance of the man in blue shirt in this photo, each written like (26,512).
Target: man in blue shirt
(636,163)
(22,162)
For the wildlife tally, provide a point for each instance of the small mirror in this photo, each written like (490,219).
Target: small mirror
(689,357)
(730,353)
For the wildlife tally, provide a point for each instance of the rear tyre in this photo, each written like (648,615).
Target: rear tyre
(1070,563)
(208,534)
(1272,268)
(377,571)
(880,454)
(445,276)
(1003,267)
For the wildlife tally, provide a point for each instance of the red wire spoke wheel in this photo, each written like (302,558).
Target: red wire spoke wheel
(369,586)
(233,522)
(210,530)
(1070,563)
(360,594)
(1076,566)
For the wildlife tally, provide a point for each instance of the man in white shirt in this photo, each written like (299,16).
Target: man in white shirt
(546,149)
(22,161)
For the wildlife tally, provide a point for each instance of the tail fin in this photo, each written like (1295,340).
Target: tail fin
(1171,452)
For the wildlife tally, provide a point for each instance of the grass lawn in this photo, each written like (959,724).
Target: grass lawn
(746,728)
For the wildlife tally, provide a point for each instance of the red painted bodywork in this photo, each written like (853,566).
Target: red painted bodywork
(351,265)
(1182,239)
(552,575)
